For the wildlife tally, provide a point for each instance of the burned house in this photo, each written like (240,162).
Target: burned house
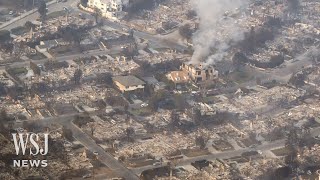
(49,44)
(122,41)
(199,72)
(108,8)
(192,72)
(178,77)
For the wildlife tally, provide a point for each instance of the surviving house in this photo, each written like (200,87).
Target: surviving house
(108,8)
(128,83)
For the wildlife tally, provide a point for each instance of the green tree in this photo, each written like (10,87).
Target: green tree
(42,9)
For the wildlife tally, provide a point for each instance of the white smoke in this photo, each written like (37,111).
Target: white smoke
(217,31)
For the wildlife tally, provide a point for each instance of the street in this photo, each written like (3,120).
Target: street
(33,14)
(63,58)
(228,154)
(89,143)
(121,170)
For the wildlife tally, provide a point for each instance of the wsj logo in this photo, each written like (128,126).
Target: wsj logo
(22,141)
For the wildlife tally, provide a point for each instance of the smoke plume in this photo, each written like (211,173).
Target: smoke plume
(218,30)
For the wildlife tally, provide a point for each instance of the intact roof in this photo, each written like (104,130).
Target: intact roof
(128,80)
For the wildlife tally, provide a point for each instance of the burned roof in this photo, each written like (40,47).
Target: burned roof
(128,80)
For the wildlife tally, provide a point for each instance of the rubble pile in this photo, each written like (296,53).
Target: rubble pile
(151,20)
(261,99)
(311,156)
(84,95)
(116,128)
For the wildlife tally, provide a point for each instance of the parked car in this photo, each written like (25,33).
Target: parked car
(86,176)
(95,153)
(157,164)
(144,105)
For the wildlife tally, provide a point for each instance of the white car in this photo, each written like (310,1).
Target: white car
(144,105)
(157,164)
(65,8)
(86,176)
